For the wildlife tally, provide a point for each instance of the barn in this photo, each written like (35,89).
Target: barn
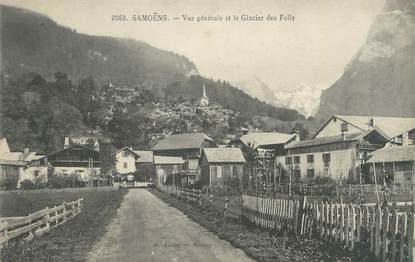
(222,166)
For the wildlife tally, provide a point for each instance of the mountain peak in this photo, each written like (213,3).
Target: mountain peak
(379,79)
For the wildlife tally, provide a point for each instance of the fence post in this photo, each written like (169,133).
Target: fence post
(226,207)
(385,230)
(56,216)
(64,212)
(410,236)
(4,226)
(394,230)
(302,214)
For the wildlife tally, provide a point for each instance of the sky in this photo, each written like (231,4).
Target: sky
(312,50)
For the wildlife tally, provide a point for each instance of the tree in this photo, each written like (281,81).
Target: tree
(107,157)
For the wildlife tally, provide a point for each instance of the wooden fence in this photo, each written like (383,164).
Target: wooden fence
(329,190)
(387,231)
(56,190)
(37,223)
(198,197)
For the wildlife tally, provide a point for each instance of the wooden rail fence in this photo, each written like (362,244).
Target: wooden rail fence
(387,231)
(37,223)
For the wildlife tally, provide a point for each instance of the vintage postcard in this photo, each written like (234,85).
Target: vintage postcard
(209,130)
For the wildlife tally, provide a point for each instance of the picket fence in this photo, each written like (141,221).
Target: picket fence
(37,223)
(387,231)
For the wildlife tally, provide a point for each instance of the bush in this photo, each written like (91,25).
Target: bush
(63,181)
(321,180)
(27,185)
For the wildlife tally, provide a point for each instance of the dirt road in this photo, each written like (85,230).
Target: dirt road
(146,229)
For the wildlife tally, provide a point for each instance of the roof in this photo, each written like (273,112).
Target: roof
(182,141)
(71,147)
(15,156)
(265,138)
(4,146)
(324,140)
(145,156)
(224,155)
(393,154)
(168,160)
(391,126)
(5,162)
(128,149)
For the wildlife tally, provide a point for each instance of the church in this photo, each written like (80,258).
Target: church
(204,101)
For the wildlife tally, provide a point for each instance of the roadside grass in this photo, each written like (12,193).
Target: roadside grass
(69,242)
(262,245)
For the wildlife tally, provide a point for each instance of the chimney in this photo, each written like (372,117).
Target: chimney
(297,135)
(66,143)
(26,150)
(372,122)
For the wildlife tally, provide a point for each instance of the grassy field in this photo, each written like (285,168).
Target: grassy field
(71,241)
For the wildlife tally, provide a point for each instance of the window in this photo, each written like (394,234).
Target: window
(310,158)
(36,173)
(310,172)
(125,154)
(125,164)
(297,160)
(343,127)
(326,159)
(288,160)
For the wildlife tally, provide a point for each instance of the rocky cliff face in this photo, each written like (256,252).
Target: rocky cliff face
(380,78)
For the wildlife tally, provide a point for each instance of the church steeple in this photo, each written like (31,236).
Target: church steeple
(204,101)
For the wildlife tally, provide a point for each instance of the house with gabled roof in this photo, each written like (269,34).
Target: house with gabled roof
(189,146)
(79,160)
(125,161)
(392,163)
(169,170)
(19,164)
(399,130)
(222,166)
(135,162)
(342,146)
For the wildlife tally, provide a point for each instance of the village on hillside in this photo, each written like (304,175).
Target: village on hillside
(212,131)
(345,150)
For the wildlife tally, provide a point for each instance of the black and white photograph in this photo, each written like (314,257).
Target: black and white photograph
(209,130)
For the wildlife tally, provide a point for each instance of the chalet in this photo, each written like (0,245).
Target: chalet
(393,163)
(222,166)
(76,159)
(10,168)
(125,161)
(19,164)
(167,169)
(188,146)
(398,130)
(338,157)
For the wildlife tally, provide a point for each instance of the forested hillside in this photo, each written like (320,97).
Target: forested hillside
(56,82)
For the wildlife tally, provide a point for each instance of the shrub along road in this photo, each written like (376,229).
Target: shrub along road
(147,229)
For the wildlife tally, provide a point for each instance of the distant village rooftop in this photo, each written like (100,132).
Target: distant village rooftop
(182,141)
(224,155)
